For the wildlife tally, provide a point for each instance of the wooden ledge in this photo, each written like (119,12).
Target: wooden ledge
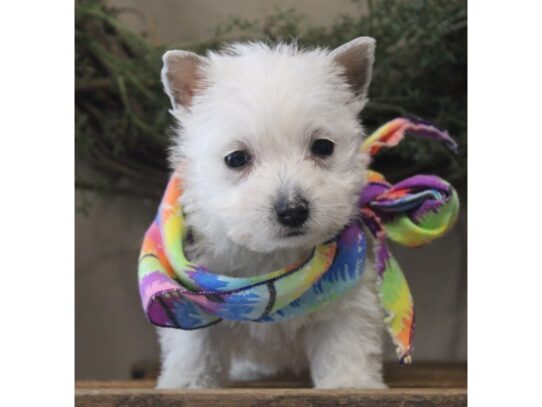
(272,397)
(417,385)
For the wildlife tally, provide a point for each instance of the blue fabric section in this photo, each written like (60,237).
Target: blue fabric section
(343,275)
(209,281)
(190,315)
(244,306)
(408,202)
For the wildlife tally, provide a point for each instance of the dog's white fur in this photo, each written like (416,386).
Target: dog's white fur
(272,101)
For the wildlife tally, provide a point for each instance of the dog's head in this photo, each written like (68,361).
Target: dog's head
(269,139)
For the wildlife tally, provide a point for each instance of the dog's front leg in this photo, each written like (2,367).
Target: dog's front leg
(346,349)
(192,359)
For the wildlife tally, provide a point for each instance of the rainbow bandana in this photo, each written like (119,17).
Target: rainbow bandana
(179,294)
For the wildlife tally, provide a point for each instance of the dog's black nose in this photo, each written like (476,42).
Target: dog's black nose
(292,213)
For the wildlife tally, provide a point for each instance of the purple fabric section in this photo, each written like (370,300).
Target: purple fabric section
(382,255)
(350,235)
(371,191)
(373,223)
(414,196)
(408,200)
(418,182)
(168,304)
(153,283)
(158,315)
(428,130)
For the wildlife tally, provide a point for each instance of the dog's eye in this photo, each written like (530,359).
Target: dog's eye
(322,147)
(237,159)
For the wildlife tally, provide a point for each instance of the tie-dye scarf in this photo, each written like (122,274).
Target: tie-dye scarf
(177,293)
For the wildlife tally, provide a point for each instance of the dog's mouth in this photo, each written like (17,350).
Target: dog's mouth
(294,233)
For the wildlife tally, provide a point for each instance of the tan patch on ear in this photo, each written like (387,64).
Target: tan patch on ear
(183,77)
(352,61)
(357,57)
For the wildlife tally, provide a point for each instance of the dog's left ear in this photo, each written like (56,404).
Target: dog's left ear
(357,58)
(181,76)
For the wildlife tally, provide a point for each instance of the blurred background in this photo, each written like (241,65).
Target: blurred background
(122,137)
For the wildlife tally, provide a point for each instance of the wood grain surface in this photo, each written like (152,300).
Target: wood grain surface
(417,385)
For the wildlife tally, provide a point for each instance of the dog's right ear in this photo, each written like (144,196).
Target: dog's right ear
(181,76)
(356,58)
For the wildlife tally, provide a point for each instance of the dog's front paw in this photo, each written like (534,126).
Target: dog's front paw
(344,382)
(187,382)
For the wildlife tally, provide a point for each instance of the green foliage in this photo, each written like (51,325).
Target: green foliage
(420,71)
(121,113)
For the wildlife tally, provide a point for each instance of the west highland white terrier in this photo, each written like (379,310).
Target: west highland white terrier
(269,141)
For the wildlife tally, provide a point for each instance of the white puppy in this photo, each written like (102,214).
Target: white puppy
(269,142)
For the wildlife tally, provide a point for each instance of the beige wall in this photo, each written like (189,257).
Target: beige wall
(181,21)
(111,330)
